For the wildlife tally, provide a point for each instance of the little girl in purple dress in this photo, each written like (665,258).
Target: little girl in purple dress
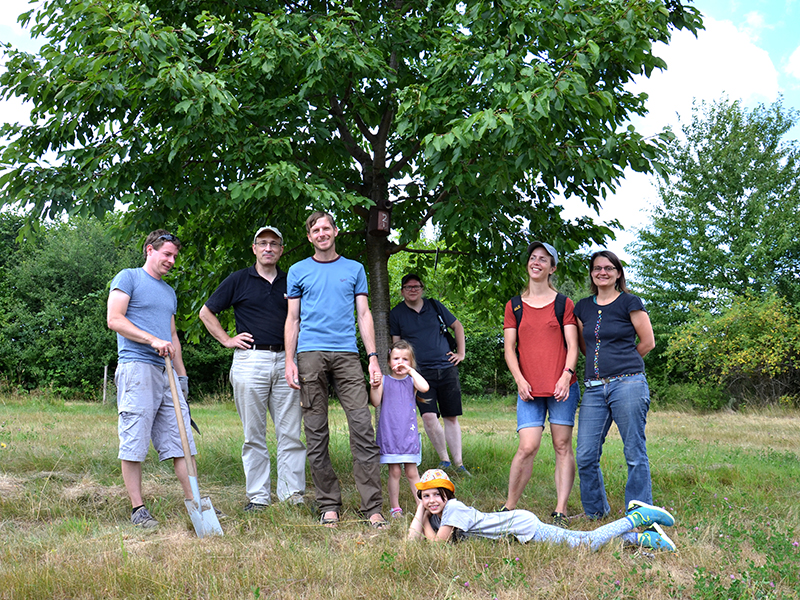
(398,435)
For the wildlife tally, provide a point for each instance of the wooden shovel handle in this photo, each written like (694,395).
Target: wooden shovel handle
(187,453)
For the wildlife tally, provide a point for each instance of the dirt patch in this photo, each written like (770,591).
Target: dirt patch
(87,492)
(11,487)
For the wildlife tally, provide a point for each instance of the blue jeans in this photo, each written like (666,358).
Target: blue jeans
(625,402)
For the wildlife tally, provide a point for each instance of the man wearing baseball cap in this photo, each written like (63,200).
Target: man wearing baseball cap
(258,297)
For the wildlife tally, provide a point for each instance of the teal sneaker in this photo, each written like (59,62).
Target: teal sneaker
(645,514)
(445,464)
(655,538)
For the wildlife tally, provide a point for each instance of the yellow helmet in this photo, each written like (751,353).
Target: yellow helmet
(435,478)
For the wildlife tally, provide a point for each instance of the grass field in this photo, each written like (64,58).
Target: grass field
(732,481)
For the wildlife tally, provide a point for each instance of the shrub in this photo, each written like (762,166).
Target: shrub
(750,350)
(484,369)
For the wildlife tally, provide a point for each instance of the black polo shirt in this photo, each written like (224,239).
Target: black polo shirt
(259,306)
(421,330)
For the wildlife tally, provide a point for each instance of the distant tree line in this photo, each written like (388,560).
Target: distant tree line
(718,263)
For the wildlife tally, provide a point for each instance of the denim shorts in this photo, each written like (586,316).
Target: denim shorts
(531,413)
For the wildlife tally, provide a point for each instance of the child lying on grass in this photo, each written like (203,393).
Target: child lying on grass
(440,517)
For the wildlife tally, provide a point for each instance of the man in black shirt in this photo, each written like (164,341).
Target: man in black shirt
(258,297)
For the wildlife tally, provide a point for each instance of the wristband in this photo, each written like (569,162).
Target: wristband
(371,354)
(570,371)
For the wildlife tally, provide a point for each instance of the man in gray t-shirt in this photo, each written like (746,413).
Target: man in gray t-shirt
(141,309)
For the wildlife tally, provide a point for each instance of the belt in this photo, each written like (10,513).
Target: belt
(270,347)
(595,382)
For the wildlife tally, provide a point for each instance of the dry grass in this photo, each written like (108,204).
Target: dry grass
(731,480)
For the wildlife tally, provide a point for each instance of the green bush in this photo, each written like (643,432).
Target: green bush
(696,395)
(750,351)
(53,306)
(484,369)
(53,293)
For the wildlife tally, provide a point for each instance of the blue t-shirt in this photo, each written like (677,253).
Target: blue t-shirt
(151,307)
(327,293)
(610,336)
(422,330)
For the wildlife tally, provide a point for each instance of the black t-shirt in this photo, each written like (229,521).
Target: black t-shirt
(421,329)
(259,306)
(610,336)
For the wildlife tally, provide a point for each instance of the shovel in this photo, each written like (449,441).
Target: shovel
(204,517)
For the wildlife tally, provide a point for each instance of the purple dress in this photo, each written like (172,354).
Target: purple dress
(398,435)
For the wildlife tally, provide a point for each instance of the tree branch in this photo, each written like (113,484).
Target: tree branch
(352,147)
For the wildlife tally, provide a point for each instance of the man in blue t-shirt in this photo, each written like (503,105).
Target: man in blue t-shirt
(258,297)
(323,292)
(141,309)
(416,320)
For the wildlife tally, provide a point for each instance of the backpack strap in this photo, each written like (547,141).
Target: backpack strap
(439,314)
(560,307)
(516,307)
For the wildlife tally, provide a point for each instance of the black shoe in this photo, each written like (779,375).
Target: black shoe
(254,507)
(560,520)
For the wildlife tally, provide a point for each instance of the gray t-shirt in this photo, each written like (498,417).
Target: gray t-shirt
(521,524)
(151,306)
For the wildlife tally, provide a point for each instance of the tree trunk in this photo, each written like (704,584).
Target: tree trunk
(378,261)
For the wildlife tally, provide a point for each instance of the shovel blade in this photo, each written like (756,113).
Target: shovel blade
(204,517)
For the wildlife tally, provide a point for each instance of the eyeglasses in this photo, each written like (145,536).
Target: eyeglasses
(263,244)
(413,288)
(168,237)
(607,269)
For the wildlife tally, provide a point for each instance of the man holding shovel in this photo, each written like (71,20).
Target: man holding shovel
(258,297)
(141,309)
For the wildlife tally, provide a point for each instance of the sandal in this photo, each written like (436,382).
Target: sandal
(378,524)
(329,522)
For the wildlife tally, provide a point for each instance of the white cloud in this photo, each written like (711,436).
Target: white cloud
(754,24)
(793,66)
(722,60)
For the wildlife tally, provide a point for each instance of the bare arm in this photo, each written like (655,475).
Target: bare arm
(562,385)
(366,327)
(510,353)
(644,331)
(291,331)
(118,322)
(420,383)
(581,341)
(461,343)
(376,395)
(421,527)
(214,327)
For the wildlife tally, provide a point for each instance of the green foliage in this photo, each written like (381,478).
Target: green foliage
(729,218)
(53,305)
(751,350)
(212,118)
(53,294)
(728,221)
(697,395)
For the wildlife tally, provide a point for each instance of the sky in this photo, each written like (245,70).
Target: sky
(749,50)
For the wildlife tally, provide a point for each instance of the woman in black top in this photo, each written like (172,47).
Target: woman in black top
(615,334)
